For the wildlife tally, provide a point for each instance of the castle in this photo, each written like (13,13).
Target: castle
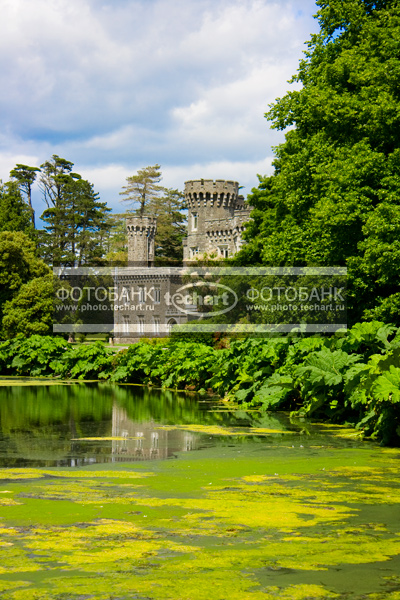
(216,218)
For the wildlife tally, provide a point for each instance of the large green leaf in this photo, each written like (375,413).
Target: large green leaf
(274,391)
(325,368)
(387,386)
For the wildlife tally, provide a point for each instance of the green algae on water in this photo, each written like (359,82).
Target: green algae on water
(247,533)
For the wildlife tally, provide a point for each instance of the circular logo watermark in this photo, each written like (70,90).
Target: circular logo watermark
(204,299)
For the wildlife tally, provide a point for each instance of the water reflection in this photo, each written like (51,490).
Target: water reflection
(44,425)
(144,441)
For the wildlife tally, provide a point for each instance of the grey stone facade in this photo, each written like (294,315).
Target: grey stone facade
(143,311)
(141,233)
(216,218)
(216,221)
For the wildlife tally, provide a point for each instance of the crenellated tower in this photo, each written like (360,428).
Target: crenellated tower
(216,218)
(141,233)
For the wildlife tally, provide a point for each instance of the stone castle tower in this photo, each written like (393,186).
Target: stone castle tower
(216,218)
(217,214)
(141,233)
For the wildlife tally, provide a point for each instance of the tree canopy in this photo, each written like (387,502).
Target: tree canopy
(75,218)
(25,176)
(15,215)
(147,197)
(26,279)
(334,198)
(142,189)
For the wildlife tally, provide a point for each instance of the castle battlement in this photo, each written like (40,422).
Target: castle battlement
(217,214)
(202,192)
(216,218)
(141,233)
(140,225)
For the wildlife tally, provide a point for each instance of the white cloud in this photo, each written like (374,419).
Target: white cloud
(9,160)
(117,85)
(243,172)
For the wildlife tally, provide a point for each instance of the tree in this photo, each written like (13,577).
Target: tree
(76,220)
(56,180)
(19,265)
(14,213)
(149,198)
(142,189)
(337,174)
(116,241)
(25,176)
(31,310)
(55,174)
(171,225)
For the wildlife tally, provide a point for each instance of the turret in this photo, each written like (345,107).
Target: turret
(211,199)
(141,234)
(212,205)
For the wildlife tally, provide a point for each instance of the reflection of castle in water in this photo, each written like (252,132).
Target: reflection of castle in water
(149,442)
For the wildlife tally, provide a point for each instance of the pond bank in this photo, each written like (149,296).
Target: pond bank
(351,377)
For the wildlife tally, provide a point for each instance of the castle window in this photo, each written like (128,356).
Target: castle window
(195,221)
(157,295)
(125,324)
(157,322)
(141,325)
(170,324)
(223,251)
(194,251)
(141,294)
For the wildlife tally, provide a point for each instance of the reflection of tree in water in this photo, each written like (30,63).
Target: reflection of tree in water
(38,423)
(168,407)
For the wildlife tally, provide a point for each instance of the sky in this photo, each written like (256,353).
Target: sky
(115,86)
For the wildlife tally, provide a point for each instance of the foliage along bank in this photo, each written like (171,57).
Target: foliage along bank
(350,378)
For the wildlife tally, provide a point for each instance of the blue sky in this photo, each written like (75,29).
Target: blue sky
(116,86)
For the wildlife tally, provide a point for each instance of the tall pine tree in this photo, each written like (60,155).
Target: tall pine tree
(75,219)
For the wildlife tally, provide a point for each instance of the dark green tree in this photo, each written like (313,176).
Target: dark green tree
(334,198)
(31,310)
(15,215)
(25,176)
(19,265)
(56,181)
(76,220)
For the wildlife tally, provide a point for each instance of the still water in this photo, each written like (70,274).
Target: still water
(80,424)
(121,492)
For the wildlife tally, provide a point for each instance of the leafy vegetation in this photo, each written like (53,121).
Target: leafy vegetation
(349,378)
(26,289)
(334,197)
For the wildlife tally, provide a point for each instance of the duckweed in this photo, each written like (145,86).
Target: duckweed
(200,528)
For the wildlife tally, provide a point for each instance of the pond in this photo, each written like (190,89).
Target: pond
(121,492)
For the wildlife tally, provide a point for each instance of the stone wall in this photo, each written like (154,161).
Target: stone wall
(141,233)
(216,218)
